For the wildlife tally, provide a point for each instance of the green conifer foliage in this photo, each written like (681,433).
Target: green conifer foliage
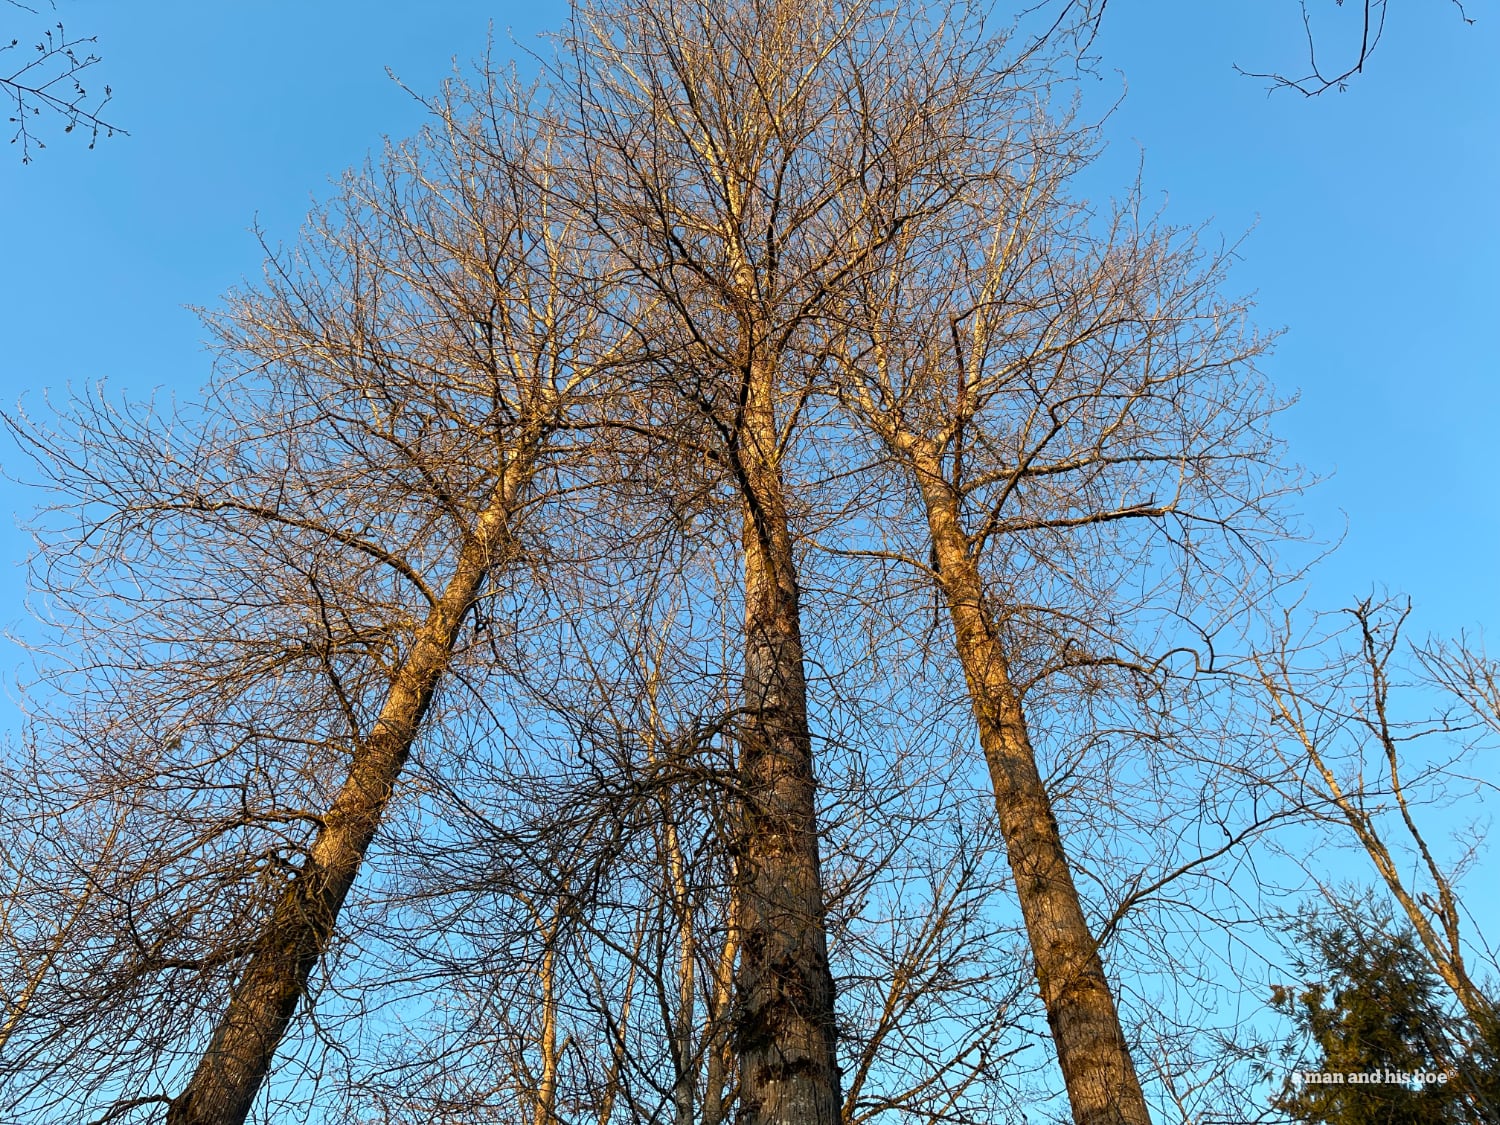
(1378,1044)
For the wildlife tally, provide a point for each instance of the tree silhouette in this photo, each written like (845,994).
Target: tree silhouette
(41,79)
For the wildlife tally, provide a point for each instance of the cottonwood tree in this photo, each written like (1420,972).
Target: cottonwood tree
(769,259)
(366,392)
(733,156)
(267,595)
(622,802)
(1072,409)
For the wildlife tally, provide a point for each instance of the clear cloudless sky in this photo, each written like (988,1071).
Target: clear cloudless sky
(1372,220)
(1370,223)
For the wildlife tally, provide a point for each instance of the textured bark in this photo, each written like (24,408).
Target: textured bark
(1102,1085)
(785,1030)
(297,934)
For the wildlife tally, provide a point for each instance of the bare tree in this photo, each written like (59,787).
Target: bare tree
(390,419)
(1361,762)
(1072,409)
(50,871)
(293,569)
(580,908)
(757,286)
(722,148)
(1322,76)
(622,801)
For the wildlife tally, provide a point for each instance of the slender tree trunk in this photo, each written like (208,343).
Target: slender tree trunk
(1446,955)
(263,1000)
(1102,1085)
(620,1044)
(719,1069)
(546,1091)
(785,1031)
(685,1083)
(61,940)
(684,1065)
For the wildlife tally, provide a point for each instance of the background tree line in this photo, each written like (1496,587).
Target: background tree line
(549,673)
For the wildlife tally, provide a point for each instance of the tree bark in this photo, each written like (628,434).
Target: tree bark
(263,1000)
(1101,1081)
(785,1032)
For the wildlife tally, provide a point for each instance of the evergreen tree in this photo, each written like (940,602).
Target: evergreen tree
(1370,1017)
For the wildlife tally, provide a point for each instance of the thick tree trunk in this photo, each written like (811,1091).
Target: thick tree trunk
(263,1000)
(785,1032)
(1102,1085)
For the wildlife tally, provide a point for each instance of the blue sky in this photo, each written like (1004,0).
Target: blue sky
(1373,233)
(1375,242)
(1370,223)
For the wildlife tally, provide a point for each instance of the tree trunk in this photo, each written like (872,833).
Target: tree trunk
(1102,1085)
(263,1000)
(546,1091)
(785,1031)
(684,1085)
(720,1062)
